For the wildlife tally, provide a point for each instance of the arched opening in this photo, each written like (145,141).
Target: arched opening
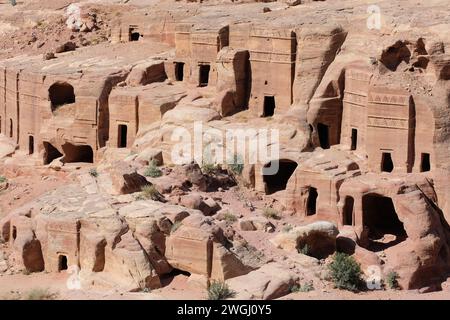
(311,202)
(14,233)
(61,93)
(278,181)
(204,75)
(425,164)
(30,145)
(122,136)
(179,71)
(99,263)
(62,263)
(324,136)
(134,35)
(73,153)
(10,128)
(386,162)
(347,211)
(381,220)
(50,153)
(269,106)
(354,139)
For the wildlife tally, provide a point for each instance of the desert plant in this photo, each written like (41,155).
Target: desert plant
(150,192)
(286,228)
(392,280)
(152,170)
(345,272)
(209,168)
(271,213)
(93,172)
(237,166)
(304,250)
(219,290)
(302,288)
(3,179)
(13,2)
(229,217)
(41,294)
(175,226)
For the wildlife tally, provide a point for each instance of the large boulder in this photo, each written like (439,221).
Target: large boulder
(317,238)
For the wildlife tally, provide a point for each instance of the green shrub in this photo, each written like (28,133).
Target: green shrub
(307,287)
(304,250)
(41,294)
(237,166)
(392,280)
(93,172)
(3,179)
(209,168)
(150,192)
(345,272)
(229,217)
(271,213)
(152,170)
(219,290)
(175,226)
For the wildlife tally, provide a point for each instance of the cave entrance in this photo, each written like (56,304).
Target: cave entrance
(386,162)
(347,211)
(62,262)
(324,136)
(14,233)
(311,202)
(425,164)
(123,132)
(354,139)
(380,218)
(269,106)
(73,153)
(204,75)
(278,181)
(61,93)
(30,145)
(50,153)
(179,71)
(134,35)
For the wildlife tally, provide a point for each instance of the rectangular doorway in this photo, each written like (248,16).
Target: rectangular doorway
(122,139)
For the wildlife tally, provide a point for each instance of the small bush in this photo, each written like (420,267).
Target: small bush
(271,213)
(304,250)
(175,226)
(209,168)
(286,228)
(93,172)
(345,272)
(307,287)
(150,192)
(152,170)
(41,294)
(237,166)
(219,290)
(3,179)
(229,217)
(392,280)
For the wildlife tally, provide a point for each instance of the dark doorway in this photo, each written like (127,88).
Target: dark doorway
(347,211)
(425,164)
(62,263)
(73,153)
(134,35)
(14,233)
(10,128)
(279,180)
(380,218)
(269,106)
(386,162)
(122,138)
(179,71)
(30,145)
(311,203)
(354,139)
(50,153)
(324,137)
(204,75)
(0,124)
(61,93)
